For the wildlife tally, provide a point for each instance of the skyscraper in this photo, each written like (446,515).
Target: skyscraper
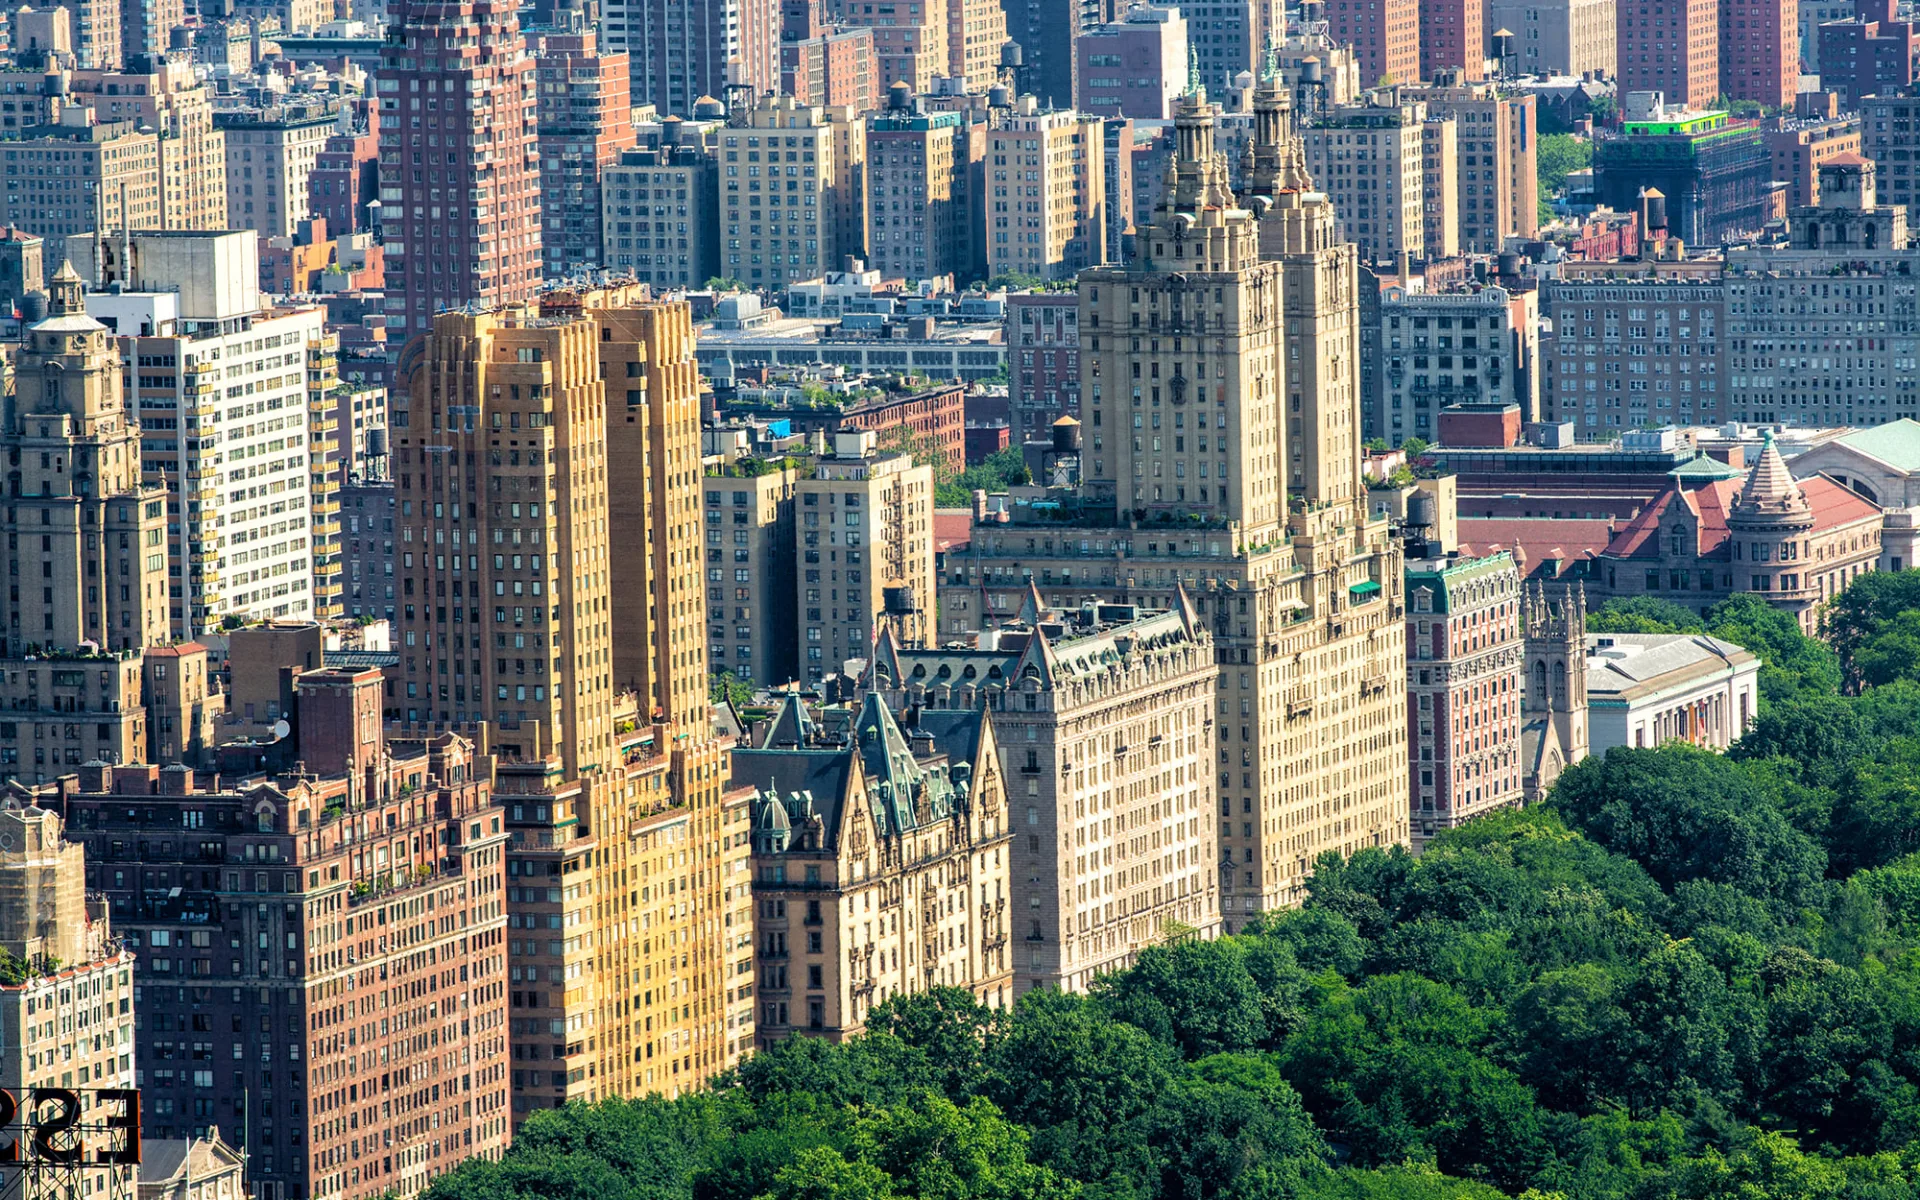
(586,120)
(1220,395)
(1453,37)
(549,494)
(682,50)
(1760,50)
(1385,35)
(459,160)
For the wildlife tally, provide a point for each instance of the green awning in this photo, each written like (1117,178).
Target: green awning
(1363,589)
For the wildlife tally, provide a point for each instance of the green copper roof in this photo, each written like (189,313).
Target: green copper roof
(1897,443)
(1702,468)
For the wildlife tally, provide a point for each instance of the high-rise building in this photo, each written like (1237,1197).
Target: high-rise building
(1760,50)
(1043,362)
(73,975)
(585,123)
(750,602)
(1712,172)
(1812,15)
(976,30)
(1801,147)
(1858,375)
(1385,36)
(162,92)
(1559,37)
(854,831)
(271,151)
(1136,67)
(88,570)
(771,237)
(1045,31)
(1051,169)
(97,34)
(922,190)
(1464,677)
(682,50)
(221,381)
(863,535)
(1453,347)
(658,220)
(146,26)
(462,226)
(345,180)
(1499,187)
(1370,160)
(366,548)
(1871,55)
(1889,132)
(1267,526)
(1111,739)
(1594,348)
(116,167)
(374,886)
(329,451)
(909,39)
(1440,187)
(834,68)
(1453,37)
(608,770)
(1671,47)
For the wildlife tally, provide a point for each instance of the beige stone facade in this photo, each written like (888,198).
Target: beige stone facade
(1498,188)
(1369,159)
(1106,724)
(1440,184)
(192,153)
(880,864)
(1298,583)
(863,530)
(1559,37)
(118,167)
(1046,193)
(769,236)
(270,156)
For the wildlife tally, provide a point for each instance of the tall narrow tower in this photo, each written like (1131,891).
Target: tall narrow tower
(1553,707)
(459,143)
(87,538)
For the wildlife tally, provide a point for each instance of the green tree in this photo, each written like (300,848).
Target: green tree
(1644,614)
(1862,610)
(1195,995)
(1558,155)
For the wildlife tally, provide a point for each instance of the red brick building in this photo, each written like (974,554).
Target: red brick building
(586,120)
(834,67)
(1760,50)
(1385,35)
(1043,362)
(1670,46)
(1453,36)
(337,921)
(442,252)
(346,174)
(1871,55)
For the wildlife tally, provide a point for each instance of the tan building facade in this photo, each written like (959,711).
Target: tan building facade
(770,237)
(1046,193)
(1559,37)
(1499,189)
(1440,185)
(1369,159)
(192,154)
(1105,719)
(118,167)
(270,156)
(863,535)
(880,865)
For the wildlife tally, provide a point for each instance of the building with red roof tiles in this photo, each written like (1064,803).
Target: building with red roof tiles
(1794,543)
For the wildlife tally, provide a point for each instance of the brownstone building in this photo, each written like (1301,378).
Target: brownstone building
(337,920)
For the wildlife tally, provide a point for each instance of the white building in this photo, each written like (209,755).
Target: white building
(1647,689)
(220,381)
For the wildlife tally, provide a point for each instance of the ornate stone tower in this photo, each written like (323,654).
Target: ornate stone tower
(90,556)
(1553,708)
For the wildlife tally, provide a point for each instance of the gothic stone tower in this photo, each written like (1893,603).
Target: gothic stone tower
(1553,709)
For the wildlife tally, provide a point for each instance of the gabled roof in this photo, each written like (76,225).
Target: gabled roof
(1708,504)
(1896,443)
(791,726)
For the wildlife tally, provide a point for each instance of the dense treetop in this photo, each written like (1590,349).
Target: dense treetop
(1685,976)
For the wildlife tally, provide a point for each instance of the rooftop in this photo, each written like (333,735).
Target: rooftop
(1622,667)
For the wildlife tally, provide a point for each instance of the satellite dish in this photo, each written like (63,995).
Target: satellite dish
(281,729)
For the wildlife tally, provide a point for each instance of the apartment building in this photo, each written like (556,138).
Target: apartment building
(220,380)
(366,548)
(1440,349)
(1046,180)
(1662,331)
(751,600)
(863,535)
(910,39)
(71,1006)
(1043,362)
(772,236)
(1800,147)
(976,31)
(1810,341)
(1499,186)
(1369,158)
(117,168)
(361,888)
(679,52)
(657,221)
(1465,671)
(1454,38)
(1559,37)
(1440,187)
(1102,715)
(1760,50)
(881,864)
(163,93)
(1385,36)
(586,121)
(924,171)
(271,151)
(1672,48)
